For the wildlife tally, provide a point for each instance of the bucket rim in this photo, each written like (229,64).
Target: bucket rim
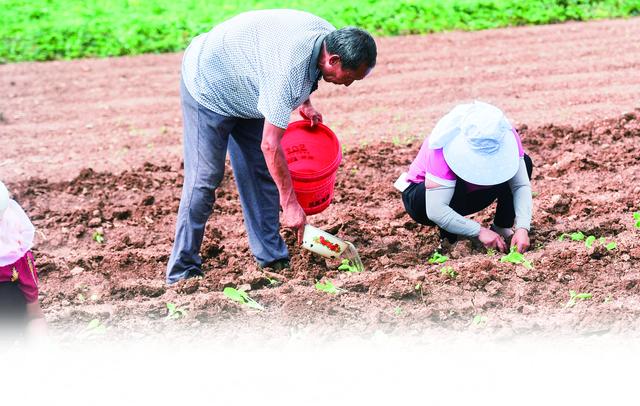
(330,168)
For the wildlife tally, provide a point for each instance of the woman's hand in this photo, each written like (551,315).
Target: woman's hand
(491,239)
(520,240)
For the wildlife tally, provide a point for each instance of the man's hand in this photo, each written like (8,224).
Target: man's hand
(491,239)
(307,111)
(293,216)
(520,240)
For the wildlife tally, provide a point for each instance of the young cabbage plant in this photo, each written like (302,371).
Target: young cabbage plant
(94,328)
(346,266)
(327,287)
(516,258)
(577,236)
(636,219)
(449,271)
(438,258)
(479,320)
(242,297)
(98,237)
(175,312)
(574,297)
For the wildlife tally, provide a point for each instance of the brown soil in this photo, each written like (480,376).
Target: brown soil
(95,145)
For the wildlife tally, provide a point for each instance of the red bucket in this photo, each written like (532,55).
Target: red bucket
(313,156)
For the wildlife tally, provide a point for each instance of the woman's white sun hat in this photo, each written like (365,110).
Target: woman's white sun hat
(4,199)
(478,143)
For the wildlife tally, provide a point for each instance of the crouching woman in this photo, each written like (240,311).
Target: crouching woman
(472,158)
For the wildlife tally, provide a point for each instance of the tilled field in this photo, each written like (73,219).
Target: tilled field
(578,122)
(585,179)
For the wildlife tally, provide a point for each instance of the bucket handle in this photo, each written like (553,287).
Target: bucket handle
(305,117)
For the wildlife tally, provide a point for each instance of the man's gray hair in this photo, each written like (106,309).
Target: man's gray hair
(354,46)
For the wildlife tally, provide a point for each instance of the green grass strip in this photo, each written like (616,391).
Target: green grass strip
(39,30)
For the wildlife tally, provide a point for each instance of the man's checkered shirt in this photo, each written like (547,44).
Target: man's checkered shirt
(257,64)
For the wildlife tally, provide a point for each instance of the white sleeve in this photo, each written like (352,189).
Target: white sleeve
(16,234)
(439,211)
(522,199)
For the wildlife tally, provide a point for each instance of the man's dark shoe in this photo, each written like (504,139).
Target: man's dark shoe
(277,265)
(194,273)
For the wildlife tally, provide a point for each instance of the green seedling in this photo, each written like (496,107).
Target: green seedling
(272,281)
(438,258)
(590,240)
(574,297)
(98,237)
(418,286)
(96,326)
(397,310)
(636,218)
(327,287)
(175,312)
(93,328)
(241,296)
(396,140)
(479,320)
(491,252)
(516,258)
(577,236)
(345,265)
(449,271)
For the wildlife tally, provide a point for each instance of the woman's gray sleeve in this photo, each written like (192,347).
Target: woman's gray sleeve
(522,199)
(438,211)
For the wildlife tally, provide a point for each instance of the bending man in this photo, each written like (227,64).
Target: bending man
(240,83)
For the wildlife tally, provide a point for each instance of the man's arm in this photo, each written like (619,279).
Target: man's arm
(293,215)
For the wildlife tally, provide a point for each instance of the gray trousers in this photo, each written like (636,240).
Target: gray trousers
(207,136)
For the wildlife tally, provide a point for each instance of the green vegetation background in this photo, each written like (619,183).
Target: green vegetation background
(37,30)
